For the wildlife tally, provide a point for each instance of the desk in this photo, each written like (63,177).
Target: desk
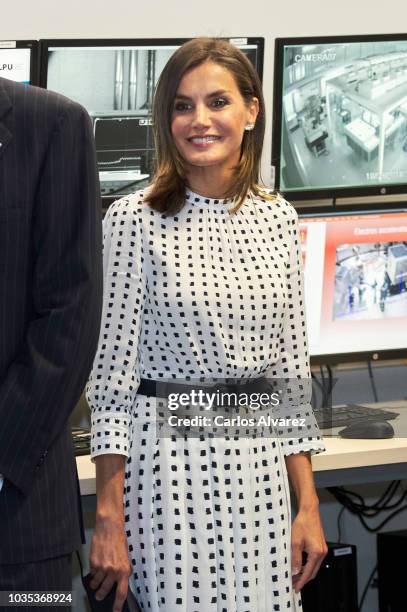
(375,88)
(361,137)
(361,461)
(344,462)
(314,138)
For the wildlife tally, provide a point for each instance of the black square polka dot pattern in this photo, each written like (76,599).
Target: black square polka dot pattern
(201,294)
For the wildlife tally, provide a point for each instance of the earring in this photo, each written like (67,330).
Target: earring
(249,127)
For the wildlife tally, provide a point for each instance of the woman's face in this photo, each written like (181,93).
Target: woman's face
(209,117)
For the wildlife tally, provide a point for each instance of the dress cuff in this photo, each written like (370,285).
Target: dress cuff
(293,446)
(110,434)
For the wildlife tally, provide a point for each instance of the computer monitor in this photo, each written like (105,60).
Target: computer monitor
(340,116)
(124,149)
(355,274)
(19,61)
(115,81)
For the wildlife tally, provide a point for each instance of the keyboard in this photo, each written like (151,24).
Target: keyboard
(340,416)
(81,441)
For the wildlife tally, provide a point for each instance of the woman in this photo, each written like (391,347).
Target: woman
(202,280)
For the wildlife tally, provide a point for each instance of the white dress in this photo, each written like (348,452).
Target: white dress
(201,294)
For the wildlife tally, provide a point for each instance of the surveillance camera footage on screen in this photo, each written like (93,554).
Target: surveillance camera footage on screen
(355,281)
(344,115)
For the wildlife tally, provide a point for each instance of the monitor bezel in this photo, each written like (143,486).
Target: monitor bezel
(33,46)
(353,356)
(46,43)
(328,193)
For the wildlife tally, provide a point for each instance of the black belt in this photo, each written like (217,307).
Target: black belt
(161,388)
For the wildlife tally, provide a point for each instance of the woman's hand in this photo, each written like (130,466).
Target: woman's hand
(307,536)
(109,560)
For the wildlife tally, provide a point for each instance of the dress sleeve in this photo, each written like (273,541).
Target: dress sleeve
(115,377)
(292,367)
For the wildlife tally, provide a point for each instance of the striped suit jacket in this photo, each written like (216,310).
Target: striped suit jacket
(50,303)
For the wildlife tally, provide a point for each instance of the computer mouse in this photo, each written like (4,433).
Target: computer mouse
(370,430)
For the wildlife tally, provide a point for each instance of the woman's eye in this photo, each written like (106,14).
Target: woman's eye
(181,106)
(219,103)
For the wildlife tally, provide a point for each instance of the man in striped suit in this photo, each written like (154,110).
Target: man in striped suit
(50,302)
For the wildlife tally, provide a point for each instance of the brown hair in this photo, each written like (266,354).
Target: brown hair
(167,193)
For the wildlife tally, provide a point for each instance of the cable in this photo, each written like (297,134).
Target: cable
(330,378)
(362,599)
(380,505)
(369,366)
(326,386)
(385,521)
(363,511)
(320,387)
(356,505)
(338,523)
(344,494)
(383,502)
(321,370)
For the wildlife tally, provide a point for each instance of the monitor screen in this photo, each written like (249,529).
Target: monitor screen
(355,274)
(115,81)
(340,112)
(18,60)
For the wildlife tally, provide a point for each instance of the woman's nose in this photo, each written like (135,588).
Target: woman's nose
(201,115)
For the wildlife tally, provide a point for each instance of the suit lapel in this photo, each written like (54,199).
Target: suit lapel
(5,106)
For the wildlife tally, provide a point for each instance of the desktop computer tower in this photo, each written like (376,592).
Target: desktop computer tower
(391,569)
(335,588)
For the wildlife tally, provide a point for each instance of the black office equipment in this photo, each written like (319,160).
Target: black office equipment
(350,92)
(391,559)
(368,430)
(115,80)
(341,416)
(335,587)
(81,440)
(19,61)
(104,605)
(355,272)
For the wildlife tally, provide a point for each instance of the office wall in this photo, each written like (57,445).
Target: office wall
(137,18)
